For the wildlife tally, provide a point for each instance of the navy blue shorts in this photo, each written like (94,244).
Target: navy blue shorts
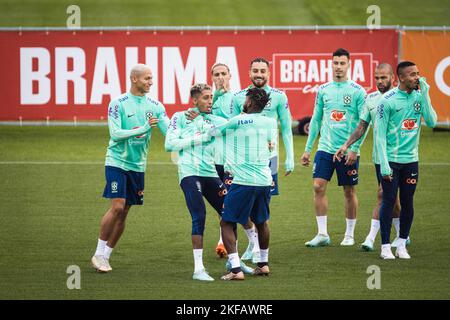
(243,202)
(123,184)
(324,167)
(273,164)
(194,189)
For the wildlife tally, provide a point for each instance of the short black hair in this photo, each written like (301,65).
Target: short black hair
(259,97)
(259,59)
(198,88)
(402,65)
(341,52)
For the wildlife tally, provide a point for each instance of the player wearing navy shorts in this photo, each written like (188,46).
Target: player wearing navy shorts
(131,118)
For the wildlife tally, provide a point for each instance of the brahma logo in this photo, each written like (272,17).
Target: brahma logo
(409,124)
(307,71)
(337,115)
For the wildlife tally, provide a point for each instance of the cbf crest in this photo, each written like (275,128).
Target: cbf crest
(347,99)
(148,115)
(417,106)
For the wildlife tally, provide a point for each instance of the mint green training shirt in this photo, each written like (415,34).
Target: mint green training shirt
(130,131)
(336,115)
(277,108)
(194,144)
(248,135)
(369,115)
(398,123)
(221,108)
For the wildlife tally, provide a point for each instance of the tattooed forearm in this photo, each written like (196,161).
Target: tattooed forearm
(358,133)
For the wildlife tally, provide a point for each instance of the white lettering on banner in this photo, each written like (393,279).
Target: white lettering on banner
(28,75)
(195,71)
(63,75)
(227,55)
(105,77)
(305,71)
(151,59)
(131,59)
(358,71)
(105,65)
(439,76)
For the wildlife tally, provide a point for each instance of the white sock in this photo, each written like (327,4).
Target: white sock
(374,227)
(108,251)
(386,247)
(350,230)
(100,248)
(401,243)
(396,223)
(198,260)
(220,238)
(234,260)
(322,225)
(252,236)
(264,255)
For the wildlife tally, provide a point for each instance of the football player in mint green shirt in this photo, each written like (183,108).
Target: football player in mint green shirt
(198,177)
(220,76)
(397,128)
(277,108)
(384,78)
(253,137)
(337,110)
(131,118)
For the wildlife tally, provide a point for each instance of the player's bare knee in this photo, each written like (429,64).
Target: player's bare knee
(118,208)
(349,192)
(319,188)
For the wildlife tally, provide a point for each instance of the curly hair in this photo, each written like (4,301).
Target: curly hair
(259,97)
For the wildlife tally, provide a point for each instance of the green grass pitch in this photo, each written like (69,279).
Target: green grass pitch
(50,213)
(222,12)
(53,178)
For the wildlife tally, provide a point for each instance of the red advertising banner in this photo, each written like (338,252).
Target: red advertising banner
(66,74)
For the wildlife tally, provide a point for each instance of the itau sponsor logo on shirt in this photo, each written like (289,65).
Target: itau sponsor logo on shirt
(337,115)
(409,124)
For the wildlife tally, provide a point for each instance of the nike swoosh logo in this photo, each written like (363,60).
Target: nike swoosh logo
(397,110)
(221,185)
(354,179)
(413,174)
(130,115)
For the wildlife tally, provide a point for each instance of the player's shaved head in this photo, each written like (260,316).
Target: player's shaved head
(385,66)
(141,79)
(139,69)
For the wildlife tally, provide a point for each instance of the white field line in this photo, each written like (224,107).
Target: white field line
(162,163)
